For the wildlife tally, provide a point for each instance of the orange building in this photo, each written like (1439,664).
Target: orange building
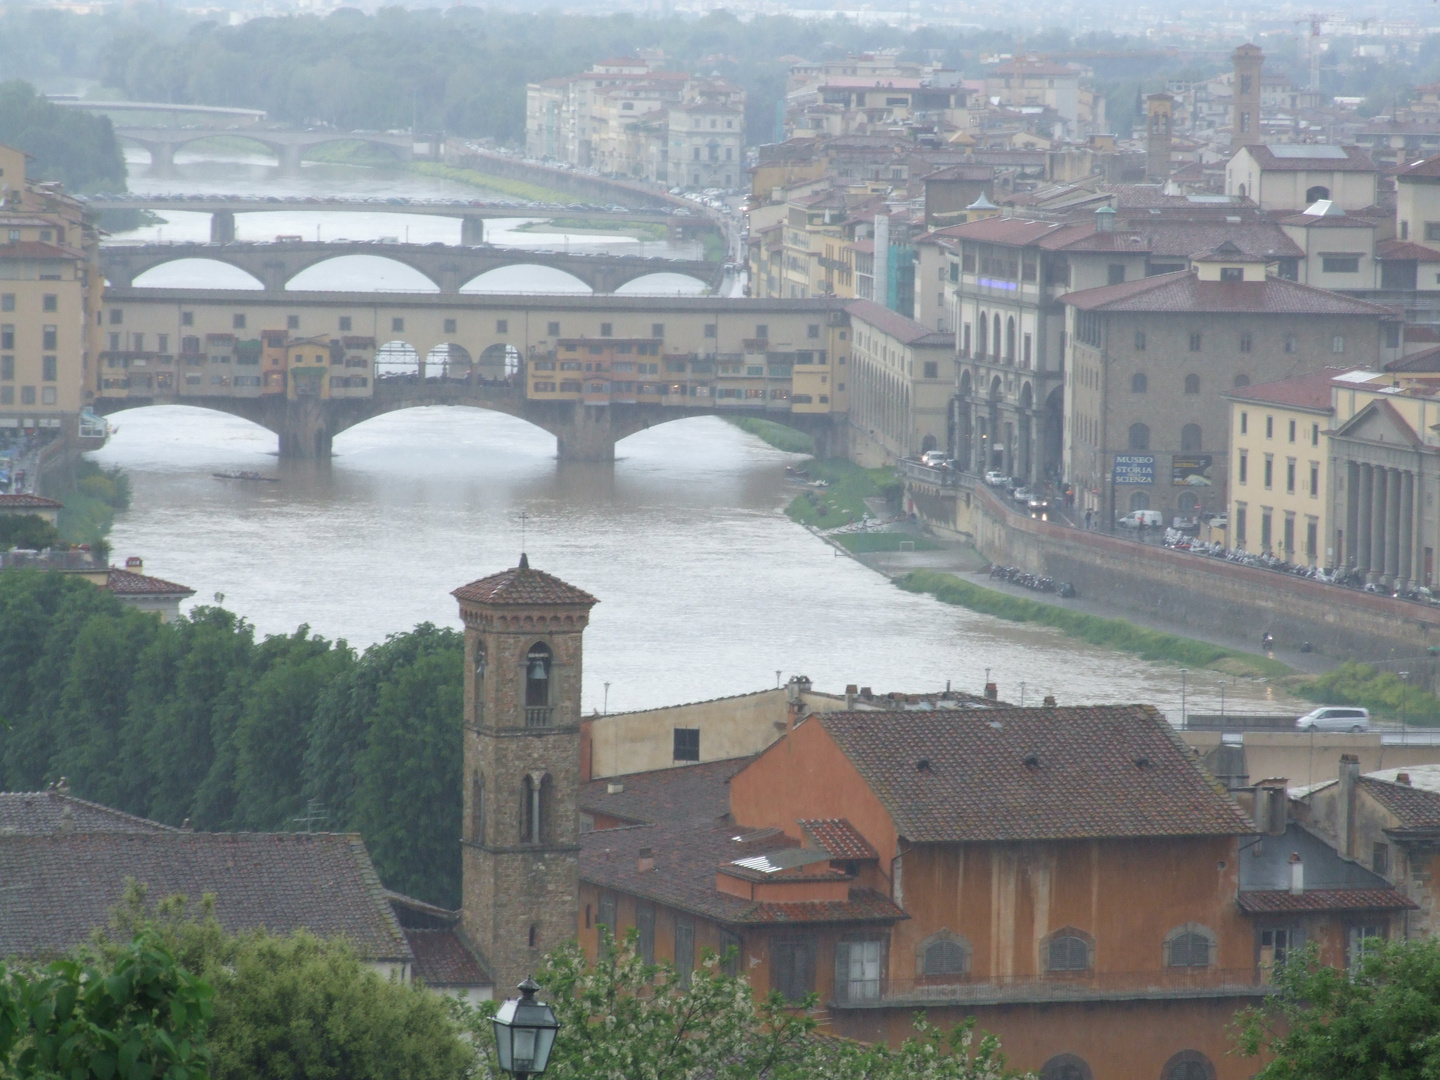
(1072,877)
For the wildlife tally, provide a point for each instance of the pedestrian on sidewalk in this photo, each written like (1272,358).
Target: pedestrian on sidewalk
(1089,513)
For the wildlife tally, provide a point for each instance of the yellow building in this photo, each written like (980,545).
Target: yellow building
(309,361)
(50,294)
(1280,469)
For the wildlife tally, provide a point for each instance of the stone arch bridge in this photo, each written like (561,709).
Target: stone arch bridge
(289,147)
(307,426)
(449,268)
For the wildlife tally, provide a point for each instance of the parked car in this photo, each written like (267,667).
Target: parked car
(1335,718)
(996,478)
(1151,519)
(1022,494)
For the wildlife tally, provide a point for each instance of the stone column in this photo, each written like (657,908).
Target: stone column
(1392,527)
(1360,538)
(1352,515)
(1407,529)
(1377,524)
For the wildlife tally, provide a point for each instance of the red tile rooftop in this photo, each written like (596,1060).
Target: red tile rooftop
(522,585)
(1310,391)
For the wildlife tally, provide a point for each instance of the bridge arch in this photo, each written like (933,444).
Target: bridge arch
(663,284)
(526,277)
(183,273)
(361,273)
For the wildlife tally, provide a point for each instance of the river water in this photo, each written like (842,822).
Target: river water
(706,588)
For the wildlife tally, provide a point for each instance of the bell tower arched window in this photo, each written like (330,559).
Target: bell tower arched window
(536,794)
(479,681)
(538,661)
(477,808)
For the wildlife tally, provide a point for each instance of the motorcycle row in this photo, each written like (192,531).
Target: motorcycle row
(1015,576)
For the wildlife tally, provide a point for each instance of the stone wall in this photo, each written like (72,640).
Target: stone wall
(1204,594)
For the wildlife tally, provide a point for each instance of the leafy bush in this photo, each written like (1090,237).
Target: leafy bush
(1354,683)
(777,435)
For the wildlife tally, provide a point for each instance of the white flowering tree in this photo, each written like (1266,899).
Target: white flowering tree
(624,1019)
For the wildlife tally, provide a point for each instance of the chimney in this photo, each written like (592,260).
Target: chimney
(1297,874)
(135,564)
(646,862)
(992,692)
(67,819)
(1403,778)
(1271,807)
(1105,219)
(1345,813)
(866,693)
(850,691)
(1050,701)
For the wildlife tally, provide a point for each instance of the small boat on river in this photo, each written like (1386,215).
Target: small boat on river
(246,475)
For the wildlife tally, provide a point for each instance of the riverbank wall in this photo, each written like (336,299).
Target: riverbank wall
(1209,595)
(585,187)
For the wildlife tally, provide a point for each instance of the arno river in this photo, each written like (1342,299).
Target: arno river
(706,588)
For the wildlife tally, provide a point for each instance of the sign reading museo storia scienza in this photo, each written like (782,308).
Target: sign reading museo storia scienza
(1191,470)
(1134,468)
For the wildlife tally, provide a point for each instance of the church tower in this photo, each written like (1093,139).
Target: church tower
(521,833)
(1245,110)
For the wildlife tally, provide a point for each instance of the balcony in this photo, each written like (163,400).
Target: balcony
(1166,984)
(539,715)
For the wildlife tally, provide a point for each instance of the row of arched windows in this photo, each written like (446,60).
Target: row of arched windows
(1140,383)
(537,809)
(1191,438)
(539,659)
(988,339)
(1188,946)
(1186,1065)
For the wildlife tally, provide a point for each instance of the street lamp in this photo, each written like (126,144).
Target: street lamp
(525,1033)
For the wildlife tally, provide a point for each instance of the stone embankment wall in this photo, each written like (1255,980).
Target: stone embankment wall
(581,185)
(1189,590)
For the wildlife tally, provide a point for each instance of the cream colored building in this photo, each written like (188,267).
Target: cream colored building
(1293,176)
(1280,468)
(903,376)
(49,296)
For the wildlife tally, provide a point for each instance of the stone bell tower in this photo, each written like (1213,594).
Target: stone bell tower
(521,832)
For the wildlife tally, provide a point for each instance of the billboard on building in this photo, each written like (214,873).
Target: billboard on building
(1134,468)
(1191,470)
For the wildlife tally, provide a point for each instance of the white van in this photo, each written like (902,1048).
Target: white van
(1151,519)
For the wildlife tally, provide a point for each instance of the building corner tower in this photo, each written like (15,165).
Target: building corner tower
(520,837)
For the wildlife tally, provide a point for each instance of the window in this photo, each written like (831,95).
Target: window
(1312,538)
(1139,340)
(1067,952)
(645,924)
(1289,345)
(7,336)
(1244,422)
(162,343)
(1380,859)
(117,316)
(1432,230)
(605,916)
(47,395)
(537,679)
(1139,437)
(687,744)
(477,808)
(1116,273)
(684,949)
(1066,1067)
(50,302)
(1192,384)
(1245,341)
(1188,947)
(7,301)
(345,323)
(7,367)
(187,318)
(1337,343)
(1362,941)
(1188,1065)
(1269,470)
(552,329)
(792,968)
(731,949)
(857,970)
(1340,264)
(657,330)
(1269,427)
(535,811)
(48,369)
(1244,461)
(1240,525)
(1194,340)
(931,369)
(502,326)
(944,957)
(1290,476)
(1240,381)
(1138,383)
(237,321)
(1266,532)
(1232,273)
(292,322)
(27,395)
(1190,439)
(712,331)
(606,329)
(397,326)
(1314,479)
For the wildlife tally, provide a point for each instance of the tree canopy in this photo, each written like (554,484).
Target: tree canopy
(75,147)
(1379,1022)
(198,720)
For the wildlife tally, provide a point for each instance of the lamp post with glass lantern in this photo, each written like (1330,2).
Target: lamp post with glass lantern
(525,1033)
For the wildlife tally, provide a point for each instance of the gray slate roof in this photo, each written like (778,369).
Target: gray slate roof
(56,889)
(40,813)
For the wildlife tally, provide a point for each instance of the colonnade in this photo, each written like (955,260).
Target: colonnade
(1380,523)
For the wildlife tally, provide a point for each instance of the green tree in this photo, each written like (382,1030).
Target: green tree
(27,531)
(139,1017)
(1380,1022)
(70,145)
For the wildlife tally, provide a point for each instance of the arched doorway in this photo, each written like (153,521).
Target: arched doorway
(964,423)
(1139,500)
(1052,434)
(995,445)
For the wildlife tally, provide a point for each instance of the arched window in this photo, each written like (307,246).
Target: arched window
(995,335)
(535,797)
(1239,381)
(943,954)
(1189,946)
(477,808)
(1138,383)
(1066,1067)
(537,684)
(1192,384)
(1010,340)
(1188,1065)
(1067,951)
(965,340)
(1139,500)
(1316,193)
(1139,437)
(479,681)
(982,336)
(1190,438)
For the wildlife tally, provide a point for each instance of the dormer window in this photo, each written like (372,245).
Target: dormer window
(1232,273)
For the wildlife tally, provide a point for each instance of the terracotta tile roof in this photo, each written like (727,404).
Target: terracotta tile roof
(837,836)
(522,585)
(1415,807)
(25,501)
(904,330)
(1417,363)
(864,905)
(1033,774)
(59,888)
(1275,901)
(443,960)
(1428,167)
(1355,160)
(35,249)
(128,583)
(43,813)
(1309,391)
(1002,230)
(1405,250)
(1183,292)
(684,793)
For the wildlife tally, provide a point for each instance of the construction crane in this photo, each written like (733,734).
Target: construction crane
(1316,20)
